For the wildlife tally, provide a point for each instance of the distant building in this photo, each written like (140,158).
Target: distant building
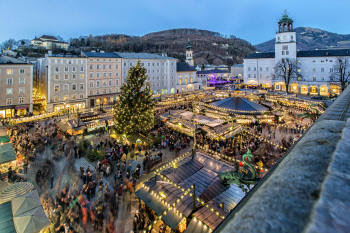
(316,67)
(214,76)
(237,71)
(189,54)
(49,43)
(63,81)
(187,79)
(104,77)
(161,70)
(16,85)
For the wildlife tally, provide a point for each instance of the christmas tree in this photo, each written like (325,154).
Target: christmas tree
(134,112)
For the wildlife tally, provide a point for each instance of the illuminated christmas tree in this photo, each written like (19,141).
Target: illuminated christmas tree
(134,112)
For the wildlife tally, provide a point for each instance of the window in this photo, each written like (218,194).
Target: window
(116,66)
(91,75)
(57,77)
(283,52)
(105,84)
(66,68)
(66,87)
(254,68)
(91,67)
(97,66)
(299,70)
(74,97)
(9,101)
(9,71)
(116,74)
(21,90)
(314,78)
(117,82)
(110,66)
(9,81)
(9,91)
(73,68)
(260,68)
(104,91)
(314,69)
(21,71)
(97,83)
(81,86)
(104,75)
(104,67)
(73,77)
(110,74)
(22,80)
(91,84)
(331,70)
(57,88)
(291,37)
(285,47)
(97,75)
(82,68)
(56,69)
(110,83)
(65,98)
(74,87)
(21,100)
(248,68)
(287,52)
(97,92)
(81,76)
(81,96)
(322,70)
(66,76)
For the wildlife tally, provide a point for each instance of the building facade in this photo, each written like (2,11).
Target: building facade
(316,68)
(63,81)
(187,79)
(104,77)
(16,85)
(161,70)
(49,43)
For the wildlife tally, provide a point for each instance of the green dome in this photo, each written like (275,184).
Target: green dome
(285,19)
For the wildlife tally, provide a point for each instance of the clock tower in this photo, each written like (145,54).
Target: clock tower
(189,54)
(285,46)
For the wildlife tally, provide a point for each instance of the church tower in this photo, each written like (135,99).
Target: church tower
(189,54)
(285,46)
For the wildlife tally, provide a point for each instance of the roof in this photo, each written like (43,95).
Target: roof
(103,55)
(6,220)
(324,53)
(214,71)
(7,154)
(142,56)
(237,65)
(260,55)
(285,19)
(11,60)
(48,37)
(310,53)
(184,67)
(239,104)
(12,191)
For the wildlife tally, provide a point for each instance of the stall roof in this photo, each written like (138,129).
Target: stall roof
(239,104)
(151,201)
(7,153)
(17,189)
(172,219)
(6,220)
(196,226)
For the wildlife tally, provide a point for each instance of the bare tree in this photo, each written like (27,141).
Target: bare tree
(341,72)
(287,70)
(8,44)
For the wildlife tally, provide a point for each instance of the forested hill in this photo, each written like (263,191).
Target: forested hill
(209,47)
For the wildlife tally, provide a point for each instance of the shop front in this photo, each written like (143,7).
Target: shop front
(279,86)
(324,91)
(21,110)
(313,90)
(304,89)
(69,106)
(335,89)
(7,113)
(294,88)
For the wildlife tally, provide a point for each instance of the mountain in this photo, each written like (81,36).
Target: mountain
(208,47)
(311,39)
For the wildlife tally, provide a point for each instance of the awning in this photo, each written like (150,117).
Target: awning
(15,190)
(7,153)
(172,219)
(196,226)
(151,201)
(4,139)
(6,220)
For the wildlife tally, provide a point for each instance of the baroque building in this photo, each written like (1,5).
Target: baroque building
(316,67)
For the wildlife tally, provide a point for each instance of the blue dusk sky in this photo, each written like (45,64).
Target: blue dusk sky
(252,20)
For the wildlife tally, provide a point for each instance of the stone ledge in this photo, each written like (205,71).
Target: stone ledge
(331,212)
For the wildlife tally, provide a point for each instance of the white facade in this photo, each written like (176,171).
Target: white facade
(316,67)
(161,70)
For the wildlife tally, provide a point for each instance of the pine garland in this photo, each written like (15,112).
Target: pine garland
(134,112)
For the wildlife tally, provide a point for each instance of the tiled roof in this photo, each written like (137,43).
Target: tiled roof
(48,37)
(324,53)
(260,55)
(105,55)
(142,56)
(11,60)
(215,71)
(183,67)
